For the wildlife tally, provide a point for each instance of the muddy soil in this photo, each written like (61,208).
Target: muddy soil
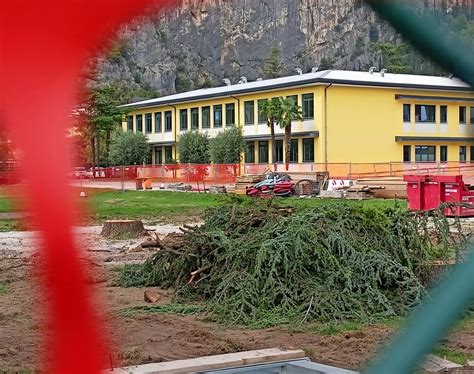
(145,338)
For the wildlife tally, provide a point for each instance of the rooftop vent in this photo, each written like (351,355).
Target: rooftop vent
(315,69)
(259,79)
(243,80)
(226,81)
(382,72)
(299,71)
(372,69)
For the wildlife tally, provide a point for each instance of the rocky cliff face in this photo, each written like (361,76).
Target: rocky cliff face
(204,41)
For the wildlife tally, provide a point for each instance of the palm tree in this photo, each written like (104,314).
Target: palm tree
(271,109)
(289,111)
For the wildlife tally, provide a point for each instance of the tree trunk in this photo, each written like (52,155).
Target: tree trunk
(93,152)
(272,132)
(97,153)
(123,229)
(287,145)
(107,146)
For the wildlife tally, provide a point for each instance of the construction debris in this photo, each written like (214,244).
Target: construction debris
(359,192)
(274,184)
(385,188)
(180,187)
(434,364)
(246,181)
(334,194)
(217,189)
(151,296)
(229,360)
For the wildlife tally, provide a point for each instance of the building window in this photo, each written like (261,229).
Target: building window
(230,114)
(472,154)
(263,152)
(168,154)
(308,150)
(206,117)
(262,118)
(148,123)
(249,109)
(250,153)
(425,113)
(443,114)
(130,123)
(407,113)
(278,151)
(407,153)
(194,118)
(158,156)
(158,122)
(462,114)
(462,153)
(425,153)
(139,120)
(443,153)
(183,119)
(168,121)
(294,150)
(294,97)
(472,115)
(217,115)
(308,106)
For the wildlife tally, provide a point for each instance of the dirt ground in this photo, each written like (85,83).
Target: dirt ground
(145,338)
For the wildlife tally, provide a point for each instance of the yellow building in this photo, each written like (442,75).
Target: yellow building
(349,117)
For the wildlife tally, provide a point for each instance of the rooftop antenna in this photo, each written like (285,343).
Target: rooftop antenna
(372,69)
(315,69)
(382,72)
(243,80)
(226,81)
(299,71)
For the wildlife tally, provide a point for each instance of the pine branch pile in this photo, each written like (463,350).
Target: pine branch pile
(259,265)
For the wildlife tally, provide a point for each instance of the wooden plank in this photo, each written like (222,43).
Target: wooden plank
(434,364)
(214,362)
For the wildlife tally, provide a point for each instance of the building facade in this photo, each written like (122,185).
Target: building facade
(357,117)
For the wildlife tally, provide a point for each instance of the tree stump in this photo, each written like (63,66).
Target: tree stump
(123,229)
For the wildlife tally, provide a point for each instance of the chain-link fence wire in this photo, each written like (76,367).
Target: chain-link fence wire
(454,295)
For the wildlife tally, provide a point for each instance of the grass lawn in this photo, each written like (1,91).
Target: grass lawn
(163,206)
(153,205)
(156,204)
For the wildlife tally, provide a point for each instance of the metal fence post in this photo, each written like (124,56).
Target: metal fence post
(123,179)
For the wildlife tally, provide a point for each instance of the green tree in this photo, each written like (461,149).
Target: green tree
(289,111)
(468,32)
(99,115)
(374,33)
(358,48)
(272,67)
(182,82)
(326,63)
(193,148)
(128,148)
(393,57)
(227,147)
(271,108)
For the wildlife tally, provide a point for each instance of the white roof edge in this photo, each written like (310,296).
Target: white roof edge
(322,77)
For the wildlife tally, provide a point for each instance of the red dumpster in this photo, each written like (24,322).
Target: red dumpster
(427,192)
